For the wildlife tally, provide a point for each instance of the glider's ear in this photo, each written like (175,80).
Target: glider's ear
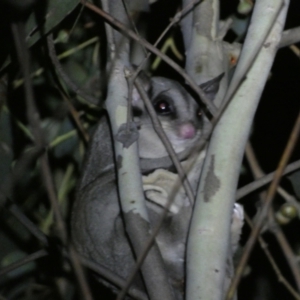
(211,87)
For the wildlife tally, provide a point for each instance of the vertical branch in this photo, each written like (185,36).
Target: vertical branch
(205,59)
(208,244)
(129,175)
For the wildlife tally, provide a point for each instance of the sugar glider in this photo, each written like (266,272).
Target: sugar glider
(97,225)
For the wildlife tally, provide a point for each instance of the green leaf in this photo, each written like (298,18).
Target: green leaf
(43,19)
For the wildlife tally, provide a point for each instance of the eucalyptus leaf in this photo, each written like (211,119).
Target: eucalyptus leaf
(46,16)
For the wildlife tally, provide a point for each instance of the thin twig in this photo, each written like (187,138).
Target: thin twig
(286,248)
(75,117)
(79,272)
(253,186)
(295,50)
(261,217)
(252,160)
(29,258)
(258,173)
